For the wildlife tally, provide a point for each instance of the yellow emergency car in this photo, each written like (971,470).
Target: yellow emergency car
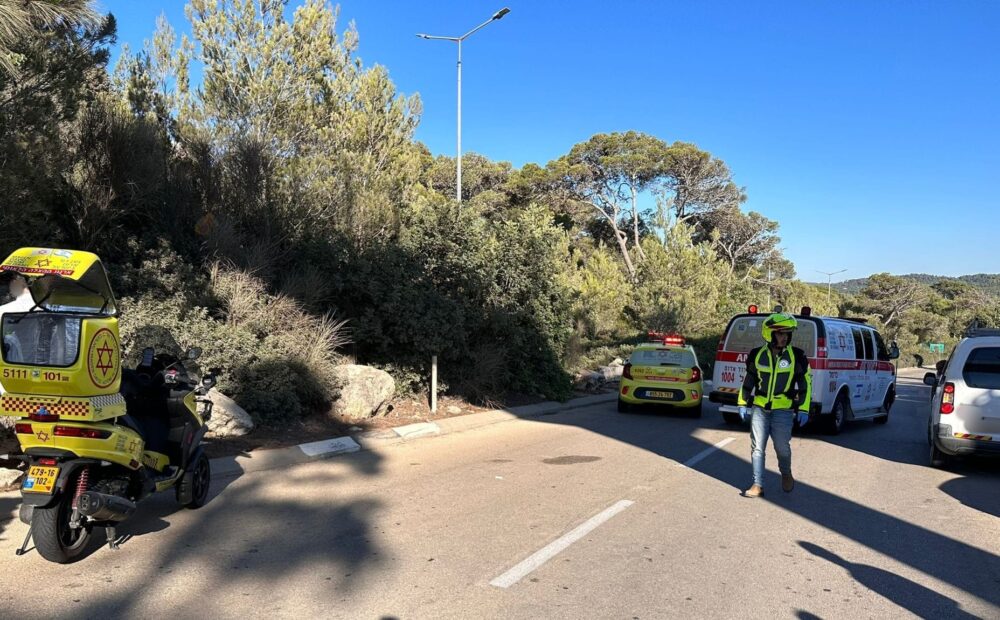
(663,371)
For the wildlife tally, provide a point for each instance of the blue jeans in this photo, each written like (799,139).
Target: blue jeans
(778,426)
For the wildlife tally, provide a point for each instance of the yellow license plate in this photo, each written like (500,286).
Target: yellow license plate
(40,479)
(666,395)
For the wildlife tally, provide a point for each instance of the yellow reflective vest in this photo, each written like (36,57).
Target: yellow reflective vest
(779,381)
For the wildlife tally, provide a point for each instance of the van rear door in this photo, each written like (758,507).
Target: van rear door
(978,404)
(742,336)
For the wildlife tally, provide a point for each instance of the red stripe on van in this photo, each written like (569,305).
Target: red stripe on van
(817,363)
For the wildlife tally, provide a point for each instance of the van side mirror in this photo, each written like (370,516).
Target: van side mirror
(893,351)
(930,379)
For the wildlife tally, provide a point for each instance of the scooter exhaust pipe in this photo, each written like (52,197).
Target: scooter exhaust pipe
(103,507)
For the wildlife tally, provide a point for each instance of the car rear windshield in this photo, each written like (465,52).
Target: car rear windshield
(982,368)
(744,334)
(662,357)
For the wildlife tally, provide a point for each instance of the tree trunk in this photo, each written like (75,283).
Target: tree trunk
(635,222)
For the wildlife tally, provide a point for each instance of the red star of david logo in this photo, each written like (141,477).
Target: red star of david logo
(44,262)
(42,436)
(104,358)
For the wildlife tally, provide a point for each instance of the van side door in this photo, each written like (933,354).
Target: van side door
(857,375)
(870,365)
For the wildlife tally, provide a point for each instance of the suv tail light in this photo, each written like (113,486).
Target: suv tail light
(695,375)
(627,371)
(948,398)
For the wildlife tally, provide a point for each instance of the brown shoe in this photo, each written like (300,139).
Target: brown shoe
(787,483)
(754,491)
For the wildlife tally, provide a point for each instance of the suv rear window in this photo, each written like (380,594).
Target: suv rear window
(982,368)
(662,357)
(744,334)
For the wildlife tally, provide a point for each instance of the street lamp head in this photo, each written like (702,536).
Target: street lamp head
(423,36)
(499,14)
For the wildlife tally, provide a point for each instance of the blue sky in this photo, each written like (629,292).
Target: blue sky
(869,130)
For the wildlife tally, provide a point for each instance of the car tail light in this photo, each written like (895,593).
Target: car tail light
(23,429)
(47,462)
(627,371)
(821,347)
(84,433)
(948,398)
(695,375)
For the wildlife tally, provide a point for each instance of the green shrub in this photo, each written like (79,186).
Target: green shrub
(277,361)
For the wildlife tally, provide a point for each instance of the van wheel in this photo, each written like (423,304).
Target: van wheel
(731,418)
(841,409)
(890,397)
(939,459)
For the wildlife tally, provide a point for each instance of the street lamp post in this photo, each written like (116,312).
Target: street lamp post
(498,15)
(829,281)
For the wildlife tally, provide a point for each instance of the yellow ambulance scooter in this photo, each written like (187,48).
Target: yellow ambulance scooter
(97,437)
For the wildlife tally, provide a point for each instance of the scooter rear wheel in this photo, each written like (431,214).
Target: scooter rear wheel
(55,540)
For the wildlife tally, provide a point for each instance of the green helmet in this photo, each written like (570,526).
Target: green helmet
(778,322)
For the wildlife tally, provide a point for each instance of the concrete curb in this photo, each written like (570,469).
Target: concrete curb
(284,457)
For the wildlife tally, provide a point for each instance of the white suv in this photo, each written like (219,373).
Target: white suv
(965,399)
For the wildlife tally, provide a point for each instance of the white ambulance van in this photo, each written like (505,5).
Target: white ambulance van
(853,377)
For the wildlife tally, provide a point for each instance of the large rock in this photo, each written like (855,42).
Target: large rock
(228,419)
(588,381)
(9,476)
(610,374)
(365,391)
(8,445)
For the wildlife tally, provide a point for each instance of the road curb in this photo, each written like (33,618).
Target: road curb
(278,458)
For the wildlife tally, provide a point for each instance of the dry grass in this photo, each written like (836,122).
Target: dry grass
(312,340)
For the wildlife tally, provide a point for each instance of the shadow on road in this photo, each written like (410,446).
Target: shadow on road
(255,530)
(943,558)
(969,489)
(911,596)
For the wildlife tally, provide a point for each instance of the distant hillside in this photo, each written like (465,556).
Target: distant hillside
(988,282)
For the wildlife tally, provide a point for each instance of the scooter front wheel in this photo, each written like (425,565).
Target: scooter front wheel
(201,480)
(55,540)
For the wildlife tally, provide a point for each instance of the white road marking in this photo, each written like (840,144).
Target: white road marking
(697,457)
(339,445)
(548,552)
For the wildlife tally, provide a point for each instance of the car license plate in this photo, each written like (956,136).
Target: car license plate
(40,479)
(664,395)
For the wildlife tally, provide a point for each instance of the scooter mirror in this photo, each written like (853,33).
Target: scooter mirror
(194,353)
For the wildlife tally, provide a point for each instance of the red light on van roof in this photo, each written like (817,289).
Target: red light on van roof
(752,309)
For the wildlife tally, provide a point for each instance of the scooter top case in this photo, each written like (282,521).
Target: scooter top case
(62,356)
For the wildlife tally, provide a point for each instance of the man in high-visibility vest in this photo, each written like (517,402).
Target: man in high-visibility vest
(778,387)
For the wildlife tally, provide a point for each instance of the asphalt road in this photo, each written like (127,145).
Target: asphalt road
(583,514)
